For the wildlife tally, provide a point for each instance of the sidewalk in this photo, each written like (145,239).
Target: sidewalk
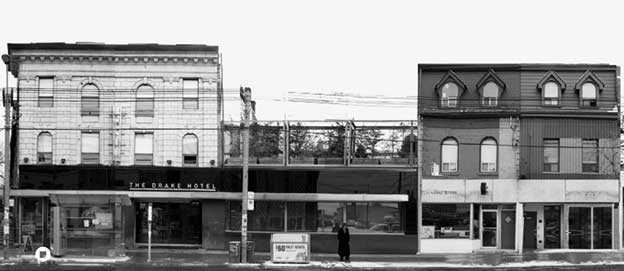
(197,258)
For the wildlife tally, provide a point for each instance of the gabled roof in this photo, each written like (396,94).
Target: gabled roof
(589,76)
(551,76)
(450,76)
(490,76)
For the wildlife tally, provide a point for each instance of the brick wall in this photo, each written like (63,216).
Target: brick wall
(117,83)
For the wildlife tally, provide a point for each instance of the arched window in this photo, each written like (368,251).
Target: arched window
(145,101)
(490,94)
(489,153)
(589,94)
(449,93)
(44,148)
(90,100)
(449,155)
(551,93)
(189,150)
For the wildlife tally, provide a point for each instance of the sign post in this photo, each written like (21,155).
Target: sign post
(245,94)
(149,232)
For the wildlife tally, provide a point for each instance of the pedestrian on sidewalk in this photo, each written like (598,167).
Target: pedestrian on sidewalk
(344,251)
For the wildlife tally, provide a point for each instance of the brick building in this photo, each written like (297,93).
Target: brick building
(95,117)
(519,156)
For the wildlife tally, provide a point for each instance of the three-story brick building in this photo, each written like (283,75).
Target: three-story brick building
(519,156)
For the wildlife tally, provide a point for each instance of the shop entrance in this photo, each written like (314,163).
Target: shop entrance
(590,226)
(489,226)
(530,230)
(173,223)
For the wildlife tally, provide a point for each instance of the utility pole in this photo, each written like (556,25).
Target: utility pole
(7,100)
(245,94)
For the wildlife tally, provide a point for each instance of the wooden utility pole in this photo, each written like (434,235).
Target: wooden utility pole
(7,100)
(245,94)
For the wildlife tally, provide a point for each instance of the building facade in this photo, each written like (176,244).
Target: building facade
(106,131)
(519,157)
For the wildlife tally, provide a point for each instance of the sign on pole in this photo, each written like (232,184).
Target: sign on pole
(149,232)
(250,201)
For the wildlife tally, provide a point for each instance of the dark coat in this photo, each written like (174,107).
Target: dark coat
(343,242)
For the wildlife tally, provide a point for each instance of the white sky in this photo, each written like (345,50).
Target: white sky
(357,47)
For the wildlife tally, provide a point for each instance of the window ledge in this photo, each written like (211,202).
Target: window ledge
(487,173)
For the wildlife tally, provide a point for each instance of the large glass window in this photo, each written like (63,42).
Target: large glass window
(190,95)
(551,155)
(449,155)
(90,100)
(490,94)
(588,94)
(551,93)
(590,155)
(449,94)
(189,150)
(44,148)
(89,227)
(489,150)
(143,148)
(362,217)
(172,223)
(145,101)
(90,145)
(46,92)
(446,220)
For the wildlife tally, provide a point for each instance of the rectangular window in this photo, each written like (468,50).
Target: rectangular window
(489,101)
(190,95)
(551,95)
(90,153)
(444,221)
(90,100)
(373,217)
(145,107)
(590,155)
(143,148)
(46,92)
(551,155)
(450,101)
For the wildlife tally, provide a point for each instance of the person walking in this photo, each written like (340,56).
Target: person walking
(344,251)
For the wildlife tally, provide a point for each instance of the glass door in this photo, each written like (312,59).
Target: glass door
(590,227)
(489,227)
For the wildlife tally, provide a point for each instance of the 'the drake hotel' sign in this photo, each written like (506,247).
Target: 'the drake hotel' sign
(167,186)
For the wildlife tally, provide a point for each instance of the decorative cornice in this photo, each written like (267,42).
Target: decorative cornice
(551,76)
(118,59)
(590,77)
(450,76)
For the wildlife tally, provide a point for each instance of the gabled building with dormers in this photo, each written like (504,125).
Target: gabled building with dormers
(519,156)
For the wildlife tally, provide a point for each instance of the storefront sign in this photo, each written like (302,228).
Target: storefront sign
(161,186)
(428,232)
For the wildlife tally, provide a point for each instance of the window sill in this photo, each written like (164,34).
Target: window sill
(487,173)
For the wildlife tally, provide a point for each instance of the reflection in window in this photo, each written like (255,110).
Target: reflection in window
(490,94)
(446,220)
(145,101)
(189,150)
(449,155)
(330,215)
(143,148)
(90,100)
(44,148)
(551,155)
(449,94)
(590,155)
(488,155)
(46,92)
(588,94)
(373,217)
(90,148)
(551,93)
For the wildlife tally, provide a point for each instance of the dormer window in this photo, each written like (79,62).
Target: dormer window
(551,85)
(490,87)
(450,92)
(449,89)
(551,94)
(490,94)
(588,87)
(588,95)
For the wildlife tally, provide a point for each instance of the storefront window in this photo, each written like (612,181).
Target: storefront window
(362,217)
(373,217)
(446,220)
(33,219)
(88,227)
(172,223)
